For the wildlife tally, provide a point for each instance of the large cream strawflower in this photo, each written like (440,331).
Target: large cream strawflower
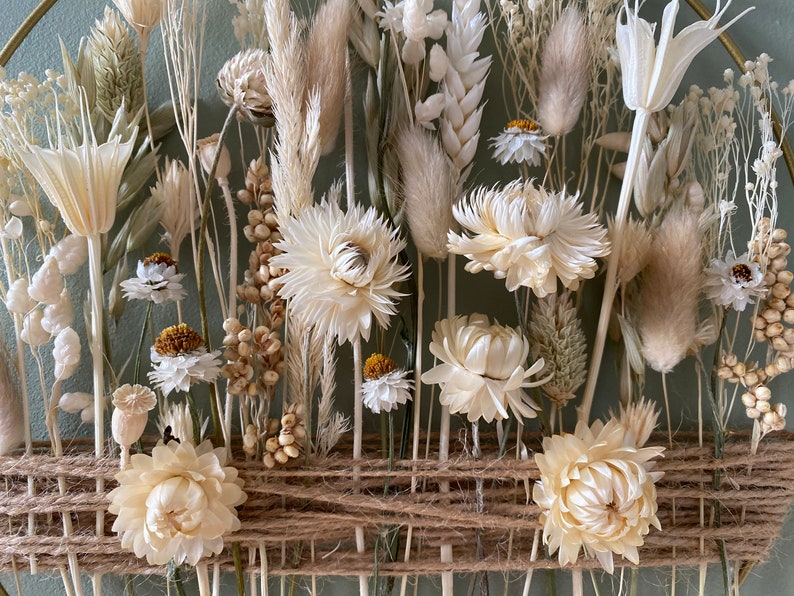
(596,489)
(176,504)
(528,237)
(482,370)
(341,269)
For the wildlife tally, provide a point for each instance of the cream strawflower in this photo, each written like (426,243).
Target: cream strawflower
(596,492)
(176,504)
(157,281)
(652,73)
(520,142)
(341,269)
(241,84)
(179,360)
(528,236)
(734,282)
(385,386)
(482,369)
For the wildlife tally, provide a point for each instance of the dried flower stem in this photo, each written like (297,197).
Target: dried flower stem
(205,327)
(447,579)
(639,129)
(24,30)
(358,417)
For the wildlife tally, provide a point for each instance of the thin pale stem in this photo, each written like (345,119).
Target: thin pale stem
(358,421)
(349,156)
(12,45)
(639,129)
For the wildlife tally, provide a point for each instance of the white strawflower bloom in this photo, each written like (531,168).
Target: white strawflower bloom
(156,280)
(179,360)
(66,354)
(176,504)
(520,142)
(174,192)
(415,19)
(70,252)
(528,236)
(341,269)
(47,284)
(482,369)
(18,301)
(241,84)
(58,316)
(596,493)
(734,282)
(385,386)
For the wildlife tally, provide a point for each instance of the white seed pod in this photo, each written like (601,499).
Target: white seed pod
(753,413)
(127,428)
(780,344)
(33,333)
(71,252)
(771,315)
(785,277)
(748,399)
(774,330)
(291,451)
(750,379)
(781,409)
(285,439)
(281,457)
(18,301)
(763,393)
(758,335)
(66,354)
(47,283)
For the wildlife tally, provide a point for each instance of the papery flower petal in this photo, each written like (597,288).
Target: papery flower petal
(66,353)
(47,283)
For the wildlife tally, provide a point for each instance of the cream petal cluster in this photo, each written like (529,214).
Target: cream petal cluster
(180,371)
(734,282)
(483,368)
(176,504)
(342,269)
(528,237)
(415,19)
(651,74)
(521,141)
(142,15)
(596,491)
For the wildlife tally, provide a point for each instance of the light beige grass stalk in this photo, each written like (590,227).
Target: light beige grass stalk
(12,424)
(564,75)
(326,51)
(427,190)
(669,292)
(297,146)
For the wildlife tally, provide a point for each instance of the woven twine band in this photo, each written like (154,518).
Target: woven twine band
(310,512)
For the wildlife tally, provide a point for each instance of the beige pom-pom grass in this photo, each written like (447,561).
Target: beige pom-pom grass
(427,190)
(326,53)
(670,288)
(564,74)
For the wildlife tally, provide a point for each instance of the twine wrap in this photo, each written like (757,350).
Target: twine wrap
(310,513)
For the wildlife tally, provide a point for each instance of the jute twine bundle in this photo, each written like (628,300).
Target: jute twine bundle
(303,518)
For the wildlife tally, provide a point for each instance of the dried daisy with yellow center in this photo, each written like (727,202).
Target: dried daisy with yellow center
(378,366)
(385,384)
(160,258)
(521,141)
(524,124)
(177,340)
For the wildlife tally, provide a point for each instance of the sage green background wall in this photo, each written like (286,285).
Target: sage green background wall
(767,29)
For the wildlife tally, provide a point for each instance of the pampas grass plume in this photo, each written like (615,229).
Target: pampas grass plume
(428,190)
(564,74)
(326,68)
(670,290)
(11,419)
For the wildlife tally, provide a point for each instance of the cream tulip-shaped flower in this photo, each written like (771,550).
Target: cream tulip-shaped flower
(142,15)
(82,181)
(482,369)
(651,73)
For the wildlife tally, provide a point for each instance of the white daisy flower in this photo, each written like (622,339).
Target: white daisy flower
(341,269)
(482,369)
(528,237)
(156,280)
(179,360)
(734,282)
(385,386)
(520,142)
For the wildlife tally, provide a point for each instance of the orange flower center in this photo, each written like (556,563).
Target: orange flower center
(378,366)
(524,124)
(176,340)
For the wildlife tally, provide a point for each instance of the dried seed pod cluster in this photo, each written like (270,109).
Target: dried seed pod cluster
(757,398)
(260,280)
(776,312)
(238,369)
(288,444)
